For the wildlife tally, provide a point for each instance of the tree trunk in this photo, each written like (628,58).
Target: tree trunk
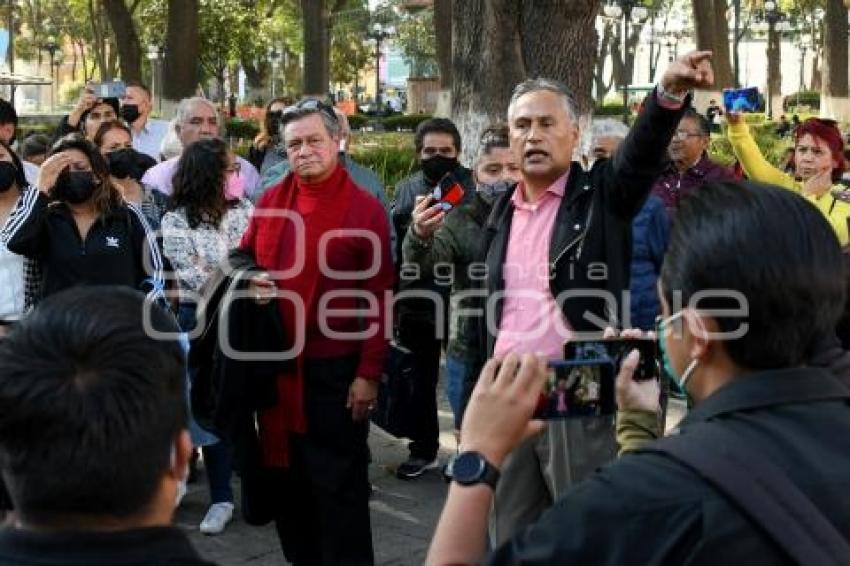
(602,87)
(127,39)
(486,64)
(443,32)
(316,21)
(498,43)
(736,45)
(835,50)
(815,82)
(97,35)
(774,71)
(712,33)
(565,27)
(180,70)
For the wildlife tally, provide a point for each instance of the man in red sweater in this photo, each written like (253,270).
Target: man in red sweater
(325,243)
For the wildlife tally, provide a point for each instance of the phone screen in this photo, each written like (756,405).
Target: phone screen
(112,89)
(741,99)
(448,192)
(582,384)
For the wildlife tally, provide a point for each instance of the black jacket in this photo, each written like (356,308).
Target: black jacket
(227,390)
(119,249)
(154,546)
(590,247)
(648,509)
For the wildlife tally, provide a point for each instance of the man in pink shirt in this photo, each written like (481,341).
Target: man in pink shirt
(558,257)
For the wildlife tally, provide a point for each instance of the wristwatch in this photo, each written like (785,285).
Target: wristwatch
(675,98)
(470,468)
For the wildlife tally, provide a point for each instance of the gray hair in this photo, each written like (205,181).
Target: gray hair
(184,110)
(608,128)
(551,85)
(293,113)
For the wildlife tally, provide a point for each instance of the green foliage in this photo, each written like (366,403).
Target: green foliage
(772,146)
(414,34)
(610,109)
(808,99)
(244,129)
(70,92)
(357,121)
(391,156)
(403,122)
(349,53)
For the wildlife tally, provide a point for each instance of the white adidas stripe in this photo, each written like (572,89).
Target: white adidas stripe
(19,214)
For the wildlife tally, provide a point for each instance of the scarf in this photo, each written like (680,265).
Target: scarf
(323,206)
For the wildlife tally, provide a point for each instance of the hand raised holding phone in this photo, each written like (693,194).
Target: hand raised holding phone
(430,211)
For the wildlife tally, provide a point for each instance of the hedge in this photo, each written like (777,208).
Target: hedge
(804,98)
(609,109)
(239,128)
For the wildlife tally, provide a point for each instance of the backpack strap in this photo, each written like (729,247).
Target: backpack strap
(760,490)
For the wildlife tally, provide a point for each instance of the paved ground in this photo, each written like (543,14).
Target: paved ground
(404,514)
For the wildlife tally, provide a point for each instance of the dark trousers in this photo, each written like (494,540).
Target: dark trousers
(322,500)
(419,336)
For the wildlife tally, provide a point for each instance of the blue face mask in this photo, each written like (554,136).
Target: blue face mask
(678,381)
(491,191)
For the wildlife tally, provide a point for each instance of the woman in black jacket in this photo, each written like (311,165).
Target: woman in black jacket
(81,230)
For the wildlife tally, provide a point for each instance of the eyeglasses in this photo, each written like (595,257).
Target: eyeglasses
(234,167)
(683,135)
(308,104)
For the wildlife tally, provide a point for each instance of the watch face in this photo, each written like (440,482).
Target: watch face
(468,467)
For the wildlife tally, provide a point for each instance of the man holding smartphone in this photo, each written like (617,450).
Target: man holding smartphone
(136,107)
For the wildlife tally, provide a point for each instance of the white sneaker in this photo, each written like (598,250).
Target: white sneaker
(217,517)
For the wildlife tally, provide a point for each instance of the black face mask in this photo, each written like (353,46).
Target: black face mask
(130,112)
(124,163)
(436,167)
(8,175)
(74,187)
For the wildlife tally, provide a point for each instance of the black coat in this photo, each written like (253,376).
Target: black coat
(646,508)
(227,390)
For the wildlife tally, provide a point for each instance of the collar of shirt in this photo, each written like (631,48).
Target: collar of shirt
(556,189)
(764,389)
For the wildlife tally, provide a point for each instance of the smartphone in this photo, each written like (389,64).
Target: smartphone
(582,384)
(111,89)
(615,350)
(449,192)
(741,99)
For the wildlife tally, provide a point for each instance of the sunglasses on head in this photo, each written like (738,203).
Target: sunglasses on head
(307,104)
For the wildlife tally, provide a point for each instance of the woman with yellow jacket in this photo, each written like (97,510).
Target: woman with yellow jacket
(818,161)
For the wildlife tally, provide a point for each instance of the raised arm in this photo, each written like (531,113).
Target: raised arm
(749,155)
(641,157)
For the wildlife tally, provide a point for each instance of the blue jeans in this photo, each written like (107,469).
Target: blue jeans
(456,371)
(218,454)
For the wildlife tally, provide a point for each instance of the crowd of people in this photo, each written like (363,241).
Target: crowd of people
(163,298)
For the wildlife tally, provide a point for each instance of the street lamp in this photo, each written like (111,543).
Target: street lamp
(806,43)
(631,11)
(379,33)
(52,47)
(274,57)
(772,15)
